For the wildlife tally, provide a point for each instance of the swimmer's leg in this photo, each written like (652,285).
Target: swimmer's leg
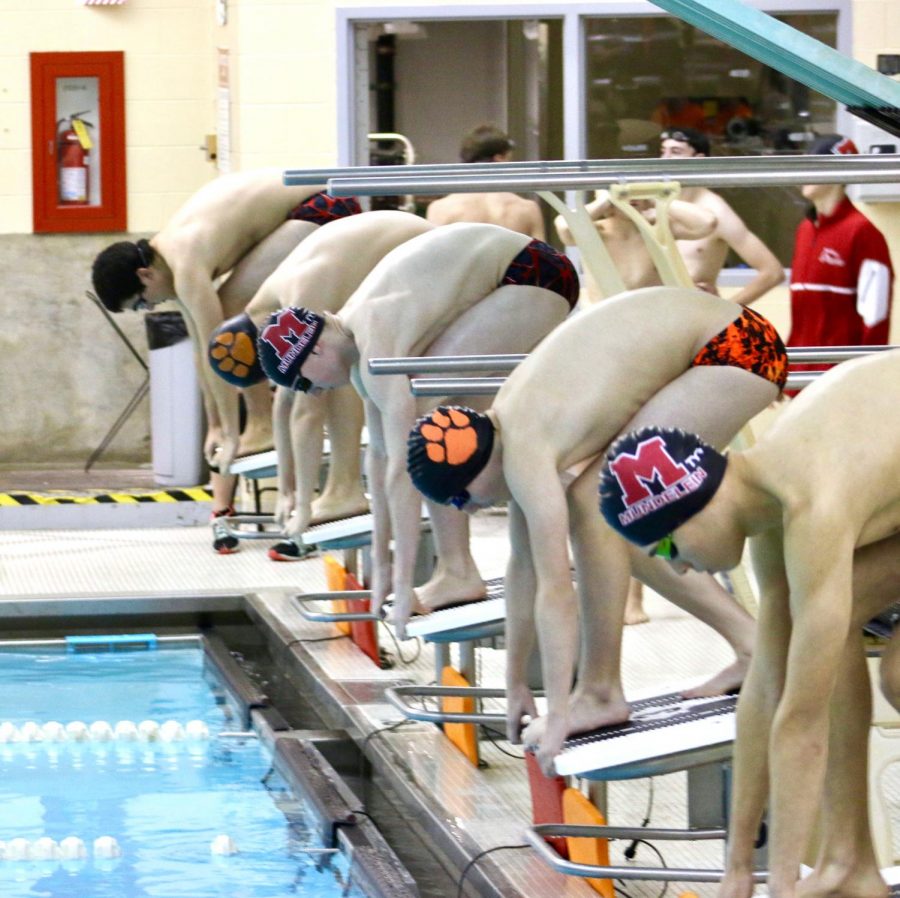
(714,402)
(510,319)
(307,421)
(634,606)
(846,864)
(602,573)
(342,495)
(455,577)
(703,597)
(257,433)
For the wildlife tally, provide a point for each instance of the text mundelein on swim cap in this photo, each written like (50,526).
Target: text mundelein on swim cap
(684,487)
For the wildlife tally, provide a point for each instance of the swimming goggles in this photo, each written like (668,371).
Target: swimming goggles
(460,500)
(666,548)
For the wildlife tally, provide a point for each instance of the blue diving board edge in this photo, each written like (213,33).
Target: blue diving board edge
(864,92)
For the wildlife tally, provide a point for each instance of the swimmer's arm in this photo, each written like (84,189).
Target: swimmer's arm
(751,250)
(543,503)
(759,698)
(519,588)
(202,315)
(819,565)
(404,502)
(281,433)
(597,209)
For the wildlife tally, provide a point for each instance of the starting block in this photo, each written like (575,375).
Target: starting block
(349,535)
(465,624)
(666,734)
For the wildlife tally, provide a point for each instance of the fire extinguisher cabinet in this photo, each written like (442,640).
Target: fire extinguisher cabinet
(176,406)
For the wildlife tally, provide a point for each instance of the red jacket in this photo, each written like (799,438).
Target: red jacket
(841,281)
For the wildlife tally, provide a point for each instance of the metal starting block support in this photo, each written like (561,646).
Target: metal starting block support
(236,524)
(397,695)
(303,600)
(537,835)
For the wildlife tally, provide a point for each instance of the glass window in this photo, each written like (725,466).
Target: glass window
(647,73)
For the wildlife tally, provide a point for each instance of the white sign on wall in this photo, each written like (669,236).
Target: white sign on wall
(223,113)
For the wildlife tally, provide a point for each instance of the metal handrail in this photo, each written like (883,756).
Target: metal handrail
(707,172)
(536,837)
(314,176)
(334,617)
(259,520)
(488,386)
(444,364)
(395,695)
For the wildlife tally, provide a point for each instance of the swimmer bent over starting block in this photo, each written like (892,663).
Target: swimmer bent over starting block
(320,274)
(819,496)
(457,289)
(657,354)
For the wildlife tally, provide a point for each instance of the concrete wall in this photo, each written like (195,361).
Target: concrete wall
(64,375)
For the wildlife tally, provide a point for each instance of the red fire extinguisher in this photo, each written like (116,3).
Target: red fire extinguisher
(73,145)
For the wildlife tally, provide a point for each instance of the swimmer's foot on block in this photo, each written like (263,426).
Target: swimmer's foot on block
(326,515)
(444,591)
(468,612)
(726,682)
(289,550)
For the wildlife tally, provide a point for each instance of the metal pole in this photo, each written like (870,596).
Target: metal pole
(314,176)
(488,386)
(714,172)
(462,364)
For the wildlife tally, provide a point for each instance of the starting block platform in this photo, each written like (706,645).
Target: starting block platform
(665,733)
(346,533)
(257,466)
(481,619)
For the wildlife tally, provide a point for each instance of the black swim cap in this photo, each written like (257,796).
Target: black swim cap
(284,343)
(232,352)
(655,479)
(447,449)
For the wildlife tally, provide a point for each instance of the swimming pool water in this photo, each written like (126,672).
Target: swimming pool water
(164,802)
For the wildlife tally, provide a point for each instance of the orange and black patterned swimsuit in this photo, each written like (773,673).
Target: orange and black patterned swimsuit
(749,342)
(321,208)
(540,265)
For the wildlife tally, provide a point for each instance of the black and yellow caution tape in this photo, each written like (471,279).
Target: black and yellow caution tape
(17,500)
